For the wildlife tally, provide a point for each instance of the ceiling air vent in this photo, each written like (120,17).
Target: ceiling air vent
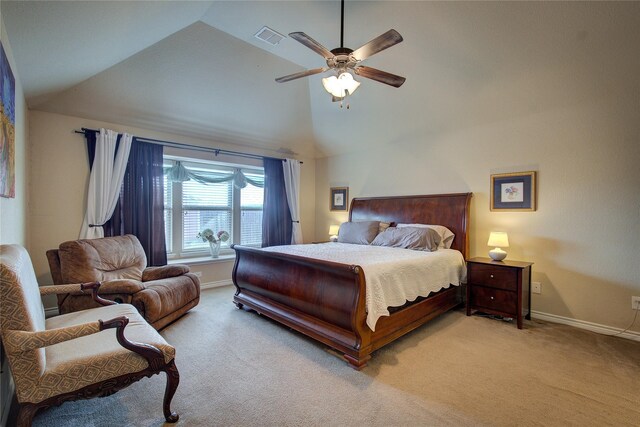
(268,35)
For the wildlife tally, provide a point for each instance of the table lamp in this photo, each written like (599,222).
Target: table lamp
(333,232)
(498,239)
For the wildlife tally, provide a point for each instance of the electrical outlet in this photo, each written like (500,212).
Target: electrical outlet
(635,302)
(536,287)
(198,273)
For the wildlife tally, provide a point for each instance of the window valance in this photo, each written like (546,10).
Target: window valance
(179,173)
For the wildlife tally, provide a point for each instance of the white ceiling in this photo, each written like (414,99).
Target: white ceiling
(195,68)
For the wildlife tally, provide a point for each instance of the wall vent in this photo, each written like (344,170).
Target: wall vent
(268,35)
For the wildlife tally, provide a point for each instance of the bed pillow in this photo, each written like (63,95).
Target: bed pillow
(383,226)
(360,232)
(446,236)
(417,238)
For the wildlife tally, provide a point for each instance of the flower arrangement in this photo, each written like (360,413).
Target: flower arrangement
(207,235)
(512,192)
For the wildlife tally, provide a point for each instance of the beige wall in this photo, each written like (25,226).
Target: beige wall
(59,177)
(585,236)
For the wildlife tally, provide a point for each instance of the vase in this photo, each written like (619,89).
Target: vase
(214,248)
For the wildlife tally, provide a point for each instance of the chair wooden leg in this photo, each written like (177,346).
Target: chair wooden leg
(173,379)
(25,415)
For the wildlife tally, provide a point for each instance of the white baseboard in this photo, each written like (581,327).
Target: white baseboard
(217,284)
(582,324)
(589,326)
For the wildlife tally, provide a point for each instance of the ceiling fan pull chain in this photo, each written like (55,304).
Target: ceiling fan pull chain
(345,97)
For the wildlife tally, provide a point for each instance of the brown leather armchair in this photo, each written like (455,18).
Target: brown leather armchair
(73,356)
(161,294)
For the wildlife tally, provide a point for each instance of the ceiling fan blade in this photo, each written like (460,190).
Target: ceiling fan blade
(305,73)
(312,44)
(380,76)
(380,43)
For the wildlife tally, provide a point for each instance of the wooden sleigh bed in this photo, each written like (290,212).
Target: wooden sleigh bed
(326,300)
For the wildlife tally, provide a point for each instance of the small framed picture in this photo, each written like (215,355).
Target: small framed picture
(339,198)
(515,192)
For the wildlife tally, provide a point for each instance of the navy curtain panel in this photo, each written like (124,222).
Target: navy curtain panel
(91,146)
(276,217)
(140,209)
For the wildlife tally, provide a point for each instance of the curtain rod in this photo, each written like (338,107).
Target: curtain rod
(172,144)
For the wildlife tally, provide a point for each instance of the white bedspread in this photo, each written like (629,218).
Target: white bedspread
(393,275)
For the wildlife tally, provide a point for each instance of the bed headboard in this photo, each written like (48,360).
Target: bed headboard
(450,210)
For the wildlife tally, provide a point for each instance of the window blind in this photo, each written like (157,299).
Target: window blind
(168,215)
(251,215)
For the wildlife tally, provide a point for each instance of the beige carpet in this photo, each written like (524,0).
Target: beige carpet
(240,369)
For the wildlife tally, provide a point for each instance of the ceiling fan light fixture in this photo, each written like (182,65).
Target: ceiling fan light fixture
(345,61)
(340,86)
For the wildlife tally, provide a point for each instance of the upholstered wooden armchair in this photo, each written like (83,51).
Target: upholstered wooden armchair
(78,355)
(161,294)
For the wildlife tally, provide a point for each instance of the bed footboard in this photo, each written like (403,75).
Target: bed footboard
(321,299)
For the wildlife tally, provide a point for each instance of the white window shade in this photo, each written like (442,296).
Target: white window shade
(251,217)
(168,214)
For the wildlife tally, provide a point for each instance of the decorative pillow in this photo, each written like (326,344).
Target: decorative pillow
(446,236)
(360,233)
(383,226)
(418,238)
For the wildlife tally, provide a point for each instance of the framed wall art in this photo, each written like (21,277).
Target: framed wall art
(339,198)
(7,128)
(513,192)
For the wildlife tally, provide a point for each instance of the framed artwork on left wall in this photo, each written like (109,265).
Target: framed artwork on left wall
(7,128)
(339,199)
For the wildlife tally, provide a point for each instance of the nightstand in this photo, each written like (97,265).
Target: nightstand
(499,287)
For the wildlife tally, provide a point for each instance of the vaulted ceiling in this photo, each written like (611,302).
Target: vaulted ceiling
(195,68)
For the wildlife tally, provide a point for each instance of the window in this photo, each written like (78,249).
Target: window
(251,198)
(192,206)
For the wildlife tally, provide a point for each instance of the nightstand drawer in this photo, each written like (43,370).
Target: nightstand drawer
(495,277)
(494,299)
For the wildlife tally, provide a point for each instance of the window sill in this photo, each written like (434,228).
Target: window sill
(202,260)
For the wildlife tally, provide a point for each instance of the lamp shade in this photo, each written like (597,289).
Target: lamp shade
(498,239)
(340,86)
(333,232)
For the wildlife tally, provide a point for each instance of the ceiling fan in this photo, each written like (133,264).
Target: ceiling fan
(342,60)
